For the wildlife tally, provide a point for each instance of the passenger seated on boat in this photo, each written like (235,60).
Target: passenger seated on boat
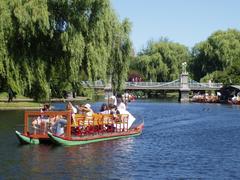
(86,110)
(112,108)
(104,109)
(112,119)
(87,123)
(78,107)
(120,104)
(87,117)
(73,110)
(41,120)
(58,126)
(61,122)
(113,100)
(88,113)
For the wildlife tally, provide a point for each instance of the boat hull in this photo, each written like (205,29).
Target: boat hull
(81,141)
(25,139)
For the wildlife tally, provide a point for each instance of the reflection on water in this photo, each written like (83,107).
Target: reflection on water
(179,141)
(93,160)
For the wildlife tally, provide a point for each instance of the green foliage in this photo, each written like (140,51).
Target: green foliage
(49,46)
(118,64)
(217,58)
(134,73)
(139,93)
(161,61)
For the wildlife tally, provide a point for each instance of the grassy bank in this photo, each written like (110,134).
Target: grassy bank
(21,102)
(4,95)
(20,105)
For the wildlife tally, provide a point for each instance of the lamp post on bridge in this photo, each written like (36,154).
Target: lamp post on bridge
(184,87)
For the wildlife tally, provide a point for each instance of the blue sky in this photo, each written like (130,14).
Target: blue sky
(184,21)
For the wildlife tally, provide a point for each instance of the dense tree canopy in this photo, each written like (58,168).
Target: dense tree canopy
(48,46)
(161,61)
(217,58)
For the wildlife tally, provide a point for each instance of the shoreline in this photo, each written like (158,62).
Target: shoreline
(80,98)
(30,104)
(19,108)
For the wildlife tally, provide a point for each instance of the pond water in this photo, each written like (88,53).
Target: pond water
(179,141)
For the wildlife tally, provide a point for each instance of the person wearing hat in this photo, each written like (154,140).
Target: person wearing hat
(88,113)
(121,104)
(86,110)
(113,100)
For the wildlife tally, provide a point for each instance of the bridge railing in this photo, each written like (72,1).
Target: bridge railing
(173,84)
(95,84)
(205,85)
(155,85)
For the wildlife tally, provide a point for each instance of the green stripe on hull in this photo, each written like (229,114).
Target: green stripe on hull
(61,141)
(26,140)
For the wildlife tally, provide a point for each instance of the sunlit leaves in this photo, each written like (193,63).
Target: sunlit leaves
(161,61)
(219,53)
(32,17)
(40,56)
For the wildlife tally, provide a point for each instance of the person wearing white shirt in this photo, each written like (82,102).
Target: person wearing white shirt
(120,104)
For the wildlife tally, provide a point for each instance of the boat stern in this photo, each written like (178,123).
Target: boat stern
(23,139)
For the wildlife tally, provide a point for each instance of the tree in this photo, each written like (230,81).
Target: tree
(217,58)
(161,61)
(49,46)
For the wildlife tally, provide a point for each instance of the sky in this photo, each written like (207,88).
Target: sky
(183,21)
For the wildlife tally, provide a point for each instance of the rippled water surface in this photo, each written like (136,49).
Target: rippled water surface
(179,141)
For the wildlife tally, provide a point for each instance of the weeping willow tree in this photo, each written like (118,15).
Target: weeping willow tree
(161,61)
(217,58)
(50,46)
(120,56)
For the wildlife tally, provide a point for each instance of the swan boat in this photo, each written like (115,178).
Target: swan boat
(83,130)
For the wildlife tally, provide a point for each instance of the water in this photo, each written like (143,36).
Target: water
(179,141)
